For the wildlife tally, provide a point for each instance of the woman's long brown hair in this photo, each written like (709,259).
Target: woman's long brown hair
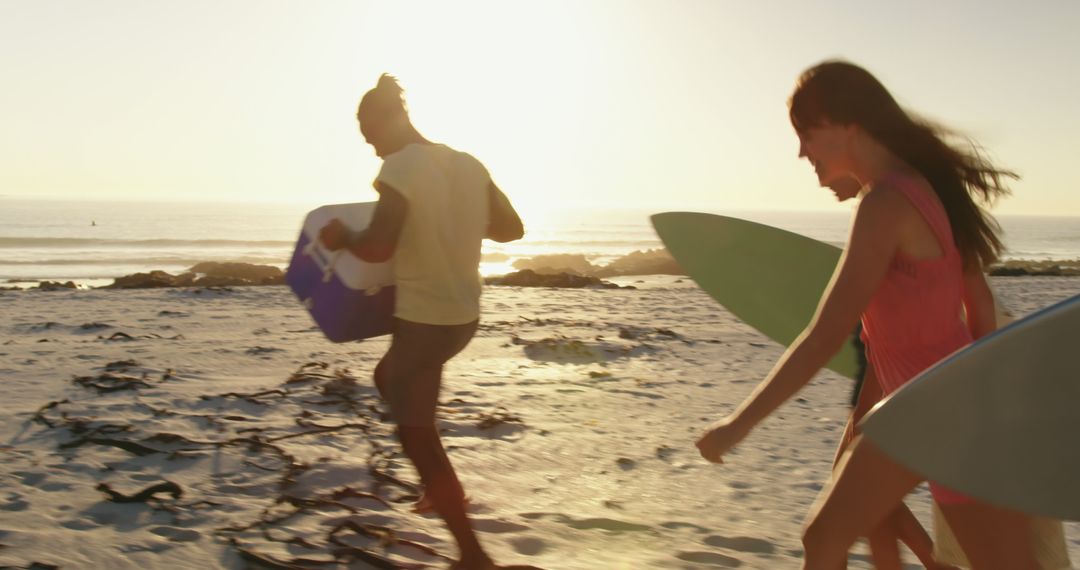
(842,93)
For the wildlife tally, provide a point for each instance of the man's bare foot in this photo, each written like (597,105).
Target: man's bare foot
(424,505)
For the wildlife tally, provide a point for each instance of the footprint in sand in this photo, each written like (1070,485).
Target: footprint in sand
(528,546)
(676,525)
(497,527)
(14,506)
(261,350)
(742,544)
(664,452)
(710,558)
(154,547)
(74,467)
(591,523)
(37,327)
(80,524)
(176,534)
(30,478)
(637,394)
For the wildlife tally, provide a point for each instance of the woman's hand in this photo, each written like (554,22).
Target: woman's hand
(718,439)
(334,235)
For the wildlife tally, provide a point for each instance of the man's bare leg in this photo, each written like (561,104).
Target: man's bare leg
(411,376)
(443,489)
(423,505)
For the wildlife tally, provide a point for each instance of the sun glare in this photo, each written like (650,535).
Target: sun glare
(476,79)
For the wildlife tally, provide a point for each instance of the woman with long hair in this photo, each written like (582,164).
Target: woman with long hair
(912,272)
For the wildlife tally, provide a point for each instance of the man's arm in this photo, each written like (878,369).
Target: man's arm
(377,242)
(504,224)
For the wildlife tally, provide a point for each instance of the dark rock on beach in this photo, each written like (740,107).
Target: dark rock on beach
(554,264)
(530,278)
(576,271)
(207,274)
(1046,268)
(152,280)
(1004,271)
(56,285)
(249,273)
(648,262)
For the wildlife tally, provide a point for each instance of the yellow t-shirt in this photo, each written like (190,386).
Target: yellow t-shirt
(436,263)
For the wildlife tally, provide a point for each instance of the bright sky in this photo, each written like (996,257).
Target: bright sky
(655,104)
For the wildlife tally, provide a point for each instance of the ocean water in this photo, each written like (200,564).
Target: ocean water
(94,242)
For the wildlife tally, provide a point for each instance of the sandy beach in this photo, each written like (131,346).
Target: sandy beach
(571,418)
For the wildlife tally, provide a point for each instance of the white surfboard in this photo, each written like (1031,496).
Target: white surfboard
(998,420)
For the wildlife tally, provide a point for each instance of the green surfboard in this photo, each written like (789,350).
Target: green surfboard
(771,279)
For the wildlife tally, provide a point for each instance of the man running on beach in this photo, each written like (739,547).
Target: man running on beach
(435,207)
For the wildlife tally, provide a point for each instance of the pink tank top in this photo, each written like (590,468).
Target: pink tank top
(916,316)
